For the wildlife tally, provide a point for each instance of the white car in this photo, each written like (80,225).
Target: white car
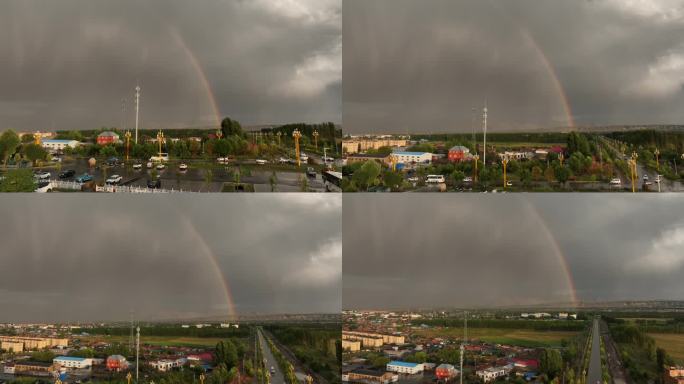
(328,159)
(645,177)
(413,179)
(615,181)
(150,164)
(42,175)
(44,187)
(56,159)
(435,179)
(161,166)
(283,160)
(304,157)
(220,160)
(261,161)
(509,184)
(114,179)
(183,167)
(137,166)
(467,179)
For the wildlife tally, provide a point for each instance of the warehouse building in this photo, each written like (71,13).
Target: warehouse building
(59,145)
(72,362)
(370,376)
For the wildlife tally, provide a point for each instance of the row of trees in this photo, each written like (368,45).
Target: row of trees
(537,325)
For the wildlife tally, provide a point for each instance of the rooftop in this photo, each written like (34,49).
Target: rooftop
(403,364)
(70,358)
(411,153)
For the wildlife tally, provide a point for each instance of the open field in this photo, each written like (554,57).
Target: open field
(673,343)
(521,337)
(181,341)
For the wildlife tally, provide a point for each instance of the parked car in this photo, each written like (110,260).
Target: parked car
(44,186)
(311,172)
(183,167)
(154,183)
(645,177)
(283,160)
(467,179)
(84,178)
(261,161)
(435,179)
(137,166)
(42,175)
(161,166)
(114,179)
(67,174)
(413,179)
(615,181)
(303,157)
(150,165)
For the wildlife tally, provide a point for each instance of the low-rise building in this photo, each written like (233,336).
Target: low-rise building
(165,365)
(33,368)
(413,157)
(8,369)
(492,373)
(107,137)
(458,153)
(59,145)
(369,376)
(446,371)
(404,367)
(72,362)
(116,363)
(351,146)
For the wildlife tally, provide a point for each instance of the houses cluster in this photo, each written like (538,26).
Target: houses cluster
(546,315)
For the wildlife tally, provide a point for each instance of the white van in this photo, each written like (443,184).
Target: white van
(435,179)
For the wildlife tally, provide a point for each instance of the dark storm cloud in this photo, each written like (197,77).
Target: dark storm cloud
(68,64)
(97,259)
(439,251)
(421,66)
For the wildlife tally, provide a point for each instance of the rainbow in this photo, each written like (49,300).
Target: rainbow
(211,256)
(552,74)
(558,252)
(200,74)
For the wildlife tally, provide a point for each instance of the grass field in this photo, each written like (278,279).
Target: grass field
(520,337)
(179,341)
(673,343)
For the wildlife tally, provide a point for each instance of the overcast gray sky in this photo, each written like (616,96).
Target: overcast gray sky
(422,251)
(422,66)
(91,257)
(68,64)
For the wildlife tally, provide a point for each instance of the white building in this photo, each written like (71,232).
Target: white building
(59,145)
(165,365)
(8,369)
(404,367)
(493,373)
(413,157)
(73,362)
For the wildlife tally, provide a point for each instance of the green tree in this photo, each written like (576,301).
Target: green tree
(34,152)
(9,141)
(230,127)
(392,180)
(108,151)
(550,362)
(20,180)
(43,356)
(27,138)
(226,354)
(562,174)
(367,175)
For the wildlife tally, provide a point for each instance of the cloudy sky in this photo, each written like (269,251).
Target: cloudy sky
(69,64)
(94,258)
(423,65)
(423,251)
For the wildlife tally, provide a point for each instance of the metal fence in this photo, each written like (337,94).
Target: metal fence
(61,184)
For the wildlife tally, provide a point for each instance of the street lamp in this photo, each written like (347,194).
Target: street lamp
(504,161)
(393,161)
(202,377)
(129,377)
(561,157)
(657,153)
(279,134)
(315,136)
(475,159)
(219,133)
(297,135)
(127,135)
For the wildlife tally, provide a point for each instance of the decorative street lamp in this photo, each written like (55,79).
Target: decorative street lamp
(475,159)
(219,133)
(129,377)
(633,169)
(504,161)
(315,136)
(279,134)
(202,378)
(160,138)
(657,153)
(393,161)
(127,135)
(297,135)
(561,157)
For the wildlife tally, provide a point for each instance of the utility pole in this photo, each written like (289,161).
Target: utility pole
(484,130)
(137,354)
(137,113)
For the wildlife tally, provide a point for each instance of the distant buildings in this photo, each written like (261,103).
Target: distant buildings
(351,345)
(404,367)
(371,340)
(25,343)
(33,368)
(674,375)
(351,146)
(59,145)
(107,137)
(165,365)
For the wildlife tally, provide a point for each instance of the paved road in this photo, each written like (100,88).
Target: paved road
(617,371)
(277,377)
(594,375)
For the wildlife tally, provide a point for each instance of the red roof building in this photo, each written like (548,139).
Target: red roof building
(458,153)
(107,137)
